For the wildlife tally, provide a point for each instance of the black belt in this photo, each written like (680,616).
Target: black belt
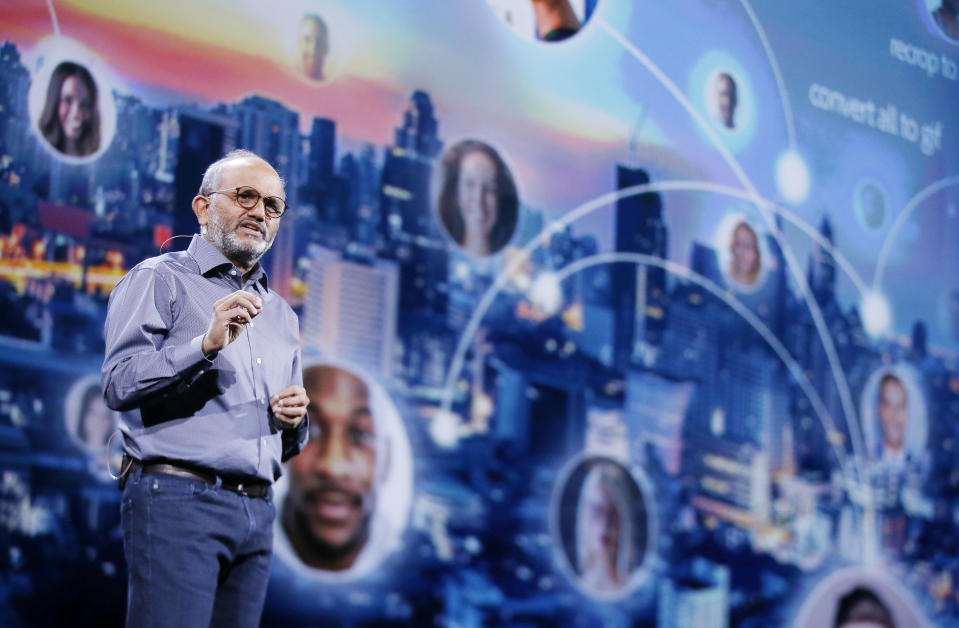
(248,487)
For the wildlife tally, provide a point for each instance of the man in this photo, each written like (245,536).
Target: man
(313,44)
(328,510)
(893,411)
(947,18)
(196,343)
(555,20)
(726,99)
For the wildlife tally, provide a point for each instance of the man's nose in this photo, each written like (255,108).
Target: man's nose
(258,211)
(334,459)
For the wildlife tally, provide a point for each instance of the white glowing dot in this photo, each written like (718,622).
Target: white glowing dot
(444,429)
(546,294)
(461,271)
(792,177)
(522,281)
(876,315)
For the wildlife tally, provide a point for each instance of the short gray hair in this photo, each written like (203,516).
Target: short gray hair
(211,178)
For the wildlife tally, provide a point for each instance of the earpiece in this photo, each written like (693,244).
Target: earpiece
(165,242)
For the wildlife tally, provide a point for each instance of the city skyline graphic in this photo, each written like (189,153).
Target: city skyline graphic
(702,310)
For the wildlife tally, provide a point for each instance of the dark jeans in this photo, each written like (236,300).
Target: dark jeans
(197,555)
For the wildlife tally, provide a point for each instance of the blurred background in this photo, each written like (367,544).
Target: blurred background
(659,302)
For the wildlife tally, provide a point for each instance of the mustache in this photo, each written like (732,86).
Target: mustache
(315,491)
(252,223)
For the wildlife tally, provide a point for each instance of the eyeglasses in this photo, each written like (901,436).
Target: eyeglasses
(247,198)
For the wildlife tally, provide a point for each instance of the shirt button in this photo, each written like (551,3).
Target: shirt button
(263,401)
(233,271)
(202,371)
(259,360)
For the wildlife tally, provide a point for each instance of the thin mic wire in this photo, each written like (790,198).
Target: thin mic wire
(171,238)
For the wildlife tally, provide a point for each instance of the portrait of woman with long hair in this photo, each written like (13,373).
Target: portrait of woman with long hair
(478,202)
(70,120)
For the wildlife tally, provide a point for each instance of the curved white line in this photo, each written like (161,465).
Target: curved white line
(557,226)
(53,18)
(718,291)
(910,207)
(802,225)
(774,64)
(795,269)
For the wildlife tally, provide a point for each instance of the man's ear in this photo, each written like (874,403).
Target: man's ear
(201,206)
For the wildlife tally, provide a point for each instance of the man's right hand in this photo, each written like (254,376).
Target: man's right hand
(230,314)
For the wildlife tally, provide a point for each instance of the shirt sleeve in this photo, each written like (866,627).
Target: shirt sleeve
(294,440)
(140,365)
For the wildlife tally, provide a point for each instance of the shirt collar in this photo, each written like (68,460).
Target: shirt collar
(208,257)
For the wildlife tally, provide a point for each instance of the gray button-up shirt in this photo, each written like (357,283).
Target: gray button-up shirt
(175,403)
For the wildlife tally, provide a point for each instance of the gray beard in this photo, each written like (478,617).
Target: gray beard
(241,254)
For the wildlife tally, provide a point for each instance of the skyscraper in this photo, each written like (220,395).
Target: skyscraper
(407,225)
(697,597)
(272,131)
(350,312)
(203,138)
(639,291)
(822,267)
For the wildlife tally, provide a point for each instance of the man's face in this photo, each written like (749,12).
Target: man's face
(893,412)
(726,99)
(332,480)
(312,47)
(243,235)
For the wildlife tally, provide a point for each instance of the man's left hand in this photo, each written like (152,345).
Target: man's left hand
(289,406)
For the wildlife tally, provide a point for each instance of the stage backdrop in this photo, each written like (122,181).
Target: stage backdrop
(654,305)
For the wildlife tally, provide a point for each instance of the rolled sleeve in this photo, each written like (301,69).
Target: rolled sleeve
(139,361)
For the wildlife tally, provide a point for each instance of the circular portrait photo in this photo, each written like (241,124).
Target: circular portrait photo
(602,527)
(724,103)
(944,15)
(70,103)
(858,598)
(311,57)
(871,206)
(477,203)
(343,502)
(90,423)
(544,20)
(894,420)
(742,252)
(720,88)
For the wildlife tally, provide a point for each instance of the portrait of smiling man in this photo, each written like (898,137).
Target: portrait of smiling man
(333,483)
(203,361)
